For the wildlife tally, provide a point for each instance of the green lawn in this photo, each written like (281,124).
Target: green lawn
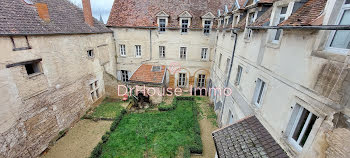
(156,134)
(107,110)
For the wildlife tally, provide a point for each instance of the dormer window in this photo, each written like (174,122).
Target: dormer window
(207,22)
(250,20)
(207,26)
(162,20)
(235,20)
(281,17)
(340,39)
(184,25)
(185,21)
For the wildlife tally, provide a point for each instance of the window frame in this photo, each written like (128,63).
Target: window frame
(36,66)
(278,21)
(183,53)
(160,25)
(182,80)
(220,58)
(204,53)
(94,90)
(249,32)
(207,27)
(185,29)
(239,75)
(228,63)
(335,50)
(138,51)
(295,120)
(201,80)
(161,51)
(259,92)
(90,53)
(124,75)
(122,50)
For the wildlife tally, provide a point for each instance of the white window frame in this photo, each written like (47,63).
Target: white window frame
(277,21)
(182,80)
(124,75)
(220,57)
(161,51)
(162,26)
(201,80)
(228,63)
(183,53)
(204,54)
(122,50)
(138,52)
(182,25)
(259,92)
(94,90)
(239,75)
(299,111)
(249,32)
(332,35)
(207,27)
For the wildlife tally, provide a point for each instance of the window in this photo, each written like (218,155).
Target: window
(227,65)
(207,26)
(281,18)
(161,51)
(94,90)
(220,60)
(182,79)
(303,121)
(239,75)
(156,68)
(259,91)
(183,53)
(204,53)
(125,76)
(90,53)
(235,20)
(201,81)
(251,19)
(340,39)
(184,26)
(162,23)
(138,50)
(33,68)
(122,50)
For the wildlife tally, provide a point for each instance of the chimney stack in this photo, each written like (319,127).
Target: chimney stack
(87,12)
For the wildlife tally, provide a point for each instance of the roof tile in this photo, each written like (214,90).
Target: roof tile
(145,74)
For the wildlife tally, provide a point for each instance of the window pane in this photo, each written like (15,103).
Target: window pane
(308,130)
(261,90)
(347,2)
(341,38)
(278,34)
(284,10)
(300,124)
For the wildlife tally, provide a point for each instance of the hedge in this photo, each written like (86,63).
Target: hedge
(96,153)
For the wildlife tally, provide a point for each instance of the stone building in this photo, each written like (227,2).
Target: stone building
(287,64)
(52,63)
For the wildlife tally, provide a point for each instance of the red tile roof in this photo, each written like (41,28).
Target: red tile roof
(263,19)
(242,3)
(144,74)
(142,13)
(18,17)
(307,14)
(241,24)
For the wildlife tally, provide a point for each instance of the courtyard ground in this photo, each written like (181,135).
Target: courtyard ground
(80,140)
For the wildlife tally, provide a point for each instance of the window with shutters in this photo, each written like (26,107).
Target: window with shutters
(183,52)
(122,50)
(182,80)
(302,122)
(340,40)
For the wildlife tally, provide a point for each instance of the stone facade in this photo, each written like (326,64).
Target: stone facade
(36,107)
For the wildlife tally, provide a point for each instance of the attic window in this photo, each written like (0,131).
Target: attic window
(156,68)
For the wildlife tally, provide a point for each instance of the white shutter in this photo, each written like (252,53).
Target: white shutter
(129,74)
(119,75)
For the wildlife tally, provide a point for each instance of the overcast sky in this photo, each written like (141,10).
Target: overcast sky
(99,7)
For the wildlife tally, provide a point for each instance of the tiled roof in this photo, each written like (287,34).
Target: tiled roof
(17,17)
(307,14)
(241,24)
(242,3)
(246,138)
(264,19)
(142,13)
(144,74)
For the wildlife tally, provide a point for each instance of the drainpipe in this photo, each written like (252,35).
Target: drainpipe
(150,46)
(229,75)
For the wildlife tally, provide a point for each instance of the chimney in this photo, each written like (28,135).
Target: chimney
(43,11)
(87,12)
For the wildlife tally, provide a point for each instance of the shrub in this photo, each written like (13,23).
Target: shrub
(97,151)
(166,107)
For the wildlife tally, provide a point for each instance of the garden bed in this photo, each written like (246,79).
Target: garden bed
(106,110)
(155,134)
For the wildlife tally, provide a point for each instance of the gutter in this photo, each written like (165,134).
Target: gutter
(322,27)
(56,33)
(229,75)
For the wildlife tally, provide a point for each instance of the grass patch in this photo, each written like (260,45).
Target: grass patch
(156,134)
(106,110)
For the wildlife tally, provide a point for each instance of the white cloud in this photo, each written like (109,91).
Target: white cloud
(99,7)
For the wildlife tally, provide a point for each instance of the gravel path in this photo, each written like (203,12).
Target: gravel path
(79,141)
(207,128)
